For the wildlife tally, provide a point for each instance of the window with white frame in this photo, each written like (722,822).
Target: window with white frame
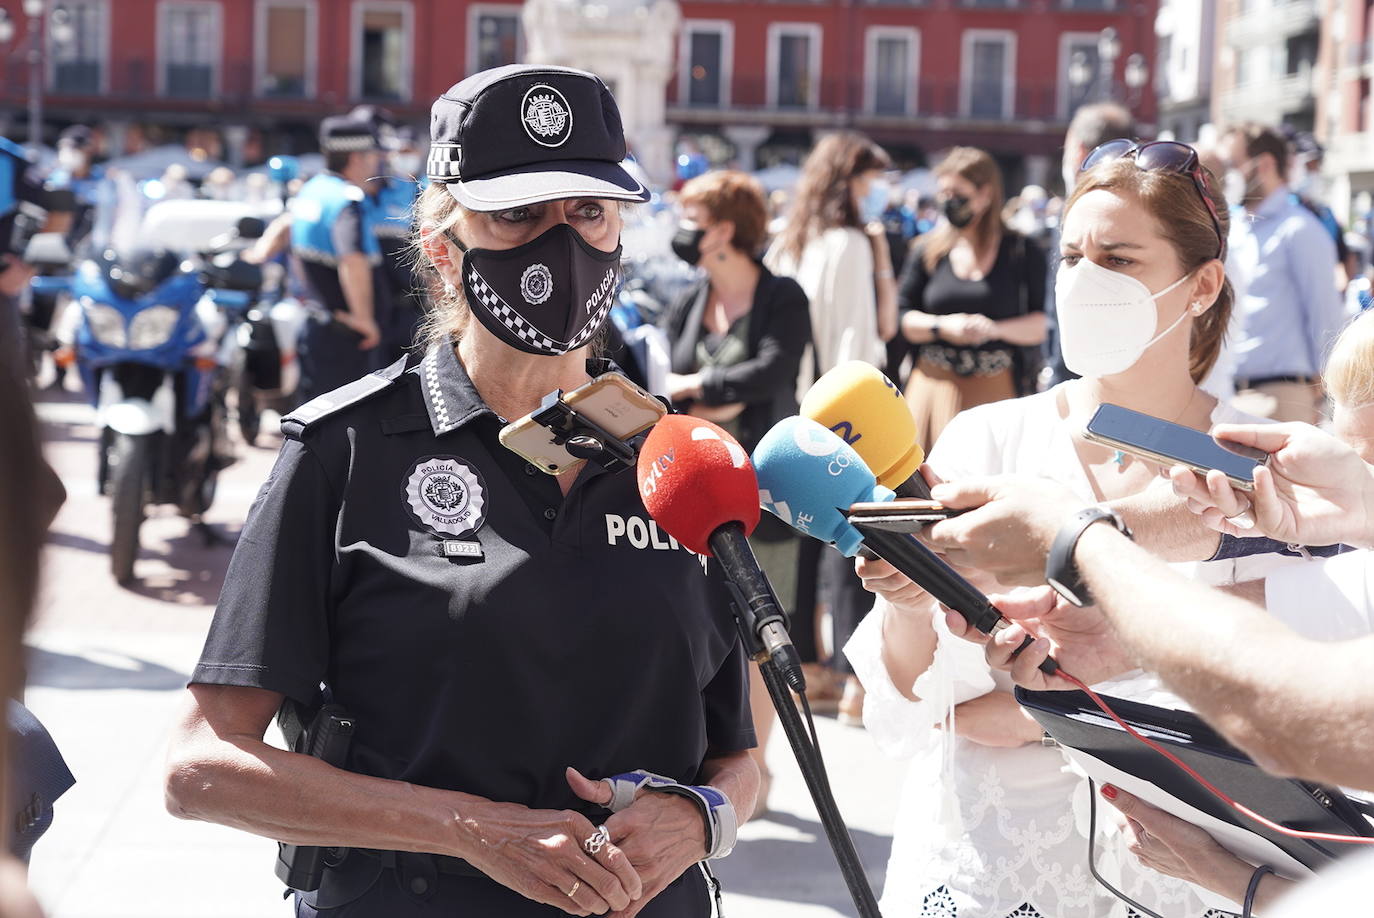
(987,81)
(1079,78)
(285,50)
(188,52)
(381,49)
(890,70)
(495,36)
(794,65)
(77,56)
(705,63)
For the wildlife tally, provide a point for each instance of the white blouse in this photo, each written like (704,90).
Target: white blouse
(988,832)
(836,271)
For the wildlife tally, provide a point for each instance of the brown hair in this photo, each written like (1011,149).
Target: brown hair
(1172,199)
(976,166)
(823,198)
(1260,138)
(734,196)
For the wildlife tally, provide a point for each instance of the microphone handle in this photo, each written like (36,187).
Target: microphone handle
(915,486)
(756,599)
(937,578)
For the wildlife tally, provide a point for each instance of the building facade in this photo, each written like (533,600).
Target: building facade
(1187,52)
(1345,106)
(759,81)
(1266,66)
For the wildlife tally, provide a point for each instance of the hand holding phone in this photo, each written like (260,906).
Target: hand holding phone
(1174,444)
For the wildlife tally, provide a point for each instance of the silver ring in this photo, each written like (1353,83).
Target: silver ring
(1236,517)
(596,841)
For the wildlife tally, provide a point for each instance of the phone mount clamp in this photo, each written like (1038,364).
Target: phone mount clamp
(581,436)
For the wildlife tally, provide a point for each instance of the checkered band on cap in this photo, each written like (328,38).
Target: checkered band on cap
(444,159)
(349,143)
(516,324)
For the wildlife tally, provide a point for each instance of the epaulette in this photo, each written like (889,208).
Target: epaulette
(295,424)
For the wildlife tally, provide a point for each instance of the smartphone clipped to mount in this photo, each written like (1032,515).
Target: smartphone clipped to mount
(611,403)
(1174,444)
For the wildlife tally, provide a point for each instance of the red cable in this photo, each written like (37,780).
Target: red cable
(1239,807)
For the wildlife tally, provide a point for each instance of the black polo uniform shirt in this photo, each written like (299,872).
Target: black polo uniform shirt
(555,631)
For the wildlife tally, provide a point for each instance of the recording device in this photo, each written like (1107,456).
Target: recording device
(697,483)
(1170,444)
(903,515)
(806,473)
(866,410)
(590,422)
(327,738)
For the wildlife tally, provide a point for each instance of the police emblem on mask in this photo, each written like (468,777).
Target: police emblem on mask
(546,116)
(536,284)
(446,496)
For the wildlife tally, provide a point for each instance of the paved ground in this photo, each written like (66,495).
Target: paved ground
(107,667)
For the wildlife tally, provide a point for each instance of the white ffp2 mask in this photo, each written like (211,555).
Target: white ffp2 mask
(1106,318)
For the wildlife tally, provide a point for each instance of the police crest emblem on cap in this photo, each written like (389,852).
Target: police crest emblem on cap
(446,496)
(536,284)
(546,115)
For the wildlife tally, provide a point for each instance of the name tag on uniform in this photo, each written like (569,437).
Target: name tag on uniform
(460,549)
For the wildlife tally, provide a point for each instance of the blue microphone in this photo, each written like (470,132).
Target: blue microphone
(808,477)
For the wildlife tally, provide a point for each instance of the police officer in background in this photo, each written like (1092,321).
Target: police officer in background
(514,666)
(335,245)
(391,202)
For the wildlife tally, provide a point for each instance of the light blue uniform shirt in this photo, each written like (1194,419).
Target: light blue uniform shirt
(1283,264)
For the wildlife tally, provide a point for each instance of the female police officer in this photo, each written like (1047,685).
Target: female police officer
(493,632)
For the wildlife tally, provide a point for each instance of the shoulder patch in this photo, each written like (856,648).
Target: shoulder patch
(297,422)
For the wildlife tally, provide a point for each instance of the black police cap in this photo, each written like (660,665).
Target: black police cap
(78,136)
(519,134)
(347,134)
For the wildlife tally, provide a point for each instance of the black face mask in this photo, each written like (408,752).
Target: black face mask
(548,296)
(687,244)
(957,211)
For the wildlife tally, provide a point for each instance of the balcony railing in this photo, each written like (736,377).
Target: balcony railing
(842,99)
(1266,99)
(1270,24)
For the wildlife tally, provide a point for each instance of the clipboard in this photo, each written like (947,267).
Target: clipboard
(1108,754)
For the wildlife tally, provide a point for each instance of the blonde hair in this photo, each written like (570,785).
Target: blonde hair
(1349,375)
(437,212)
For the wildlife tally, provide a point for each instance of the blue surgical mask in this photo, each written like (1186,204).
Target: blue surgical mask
(875,202)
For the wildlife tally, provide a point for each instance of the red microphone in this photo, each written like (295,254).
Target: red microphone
(698,484)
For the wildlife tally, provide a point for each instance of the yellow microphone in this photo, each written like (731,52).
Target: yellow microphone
(867,411)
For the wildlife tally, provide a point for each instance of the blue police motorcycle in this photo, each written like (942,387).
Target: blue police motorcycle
(145,335)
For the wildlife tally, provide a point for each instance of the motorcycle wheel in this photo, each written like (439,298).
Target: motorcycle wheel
(246,402)
(129,468)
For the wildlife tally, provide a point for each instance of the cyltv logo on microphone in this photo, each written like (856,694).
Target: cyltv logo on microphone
(649,485)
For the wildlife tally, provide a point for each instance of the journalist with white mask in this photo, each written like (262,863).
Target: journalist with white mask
(1143,305)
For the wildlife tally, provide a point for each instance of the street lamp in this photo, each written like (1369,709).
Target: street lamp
(1136,76)
(61,31)
(1108,49)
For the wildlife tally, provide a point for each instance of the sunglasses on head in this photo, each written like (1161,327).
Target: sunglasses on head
(1166,156)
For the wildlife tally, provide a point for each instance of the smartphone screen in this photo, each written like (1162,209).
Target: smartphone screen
(1141,434)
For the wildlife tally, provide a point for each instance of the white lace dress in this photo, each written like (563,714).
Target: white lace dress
(985,832)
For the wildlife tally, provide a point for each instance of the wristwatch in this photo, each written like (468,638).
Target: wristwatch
(1060,570)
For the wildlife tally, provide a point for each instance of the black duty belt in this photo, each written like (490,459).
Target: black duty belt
(451,866)
(1266,380)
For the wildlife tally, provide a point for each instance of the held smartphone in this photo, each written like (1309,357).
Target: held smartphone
(907,515)
(1173,444)
(614,403)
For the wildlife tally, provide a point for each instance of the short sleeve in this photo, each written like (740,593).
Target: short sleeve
(966,447)
(271,626)
(347,231)
(729,723)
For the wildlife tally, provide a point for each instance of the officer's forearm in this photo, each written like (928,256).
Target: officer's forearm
(737,777)
(355,277)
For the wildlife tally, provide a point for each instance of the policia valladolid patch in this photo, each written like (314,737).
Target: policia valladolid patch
(446,496)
